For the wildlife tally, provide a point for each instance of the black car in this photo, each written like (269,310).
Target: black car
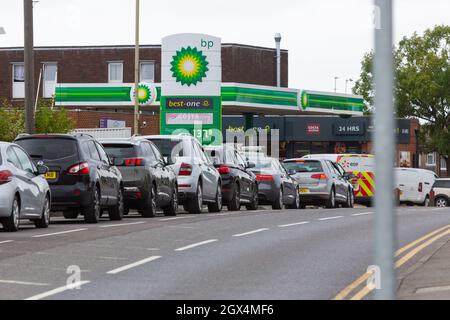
(239,185)
(275,186)
(81,176)
(148,180)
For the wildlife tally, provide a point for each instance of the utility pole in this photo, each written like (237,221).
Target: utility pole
(29,66)
(385,221)
(346,83)
(335,82)
(278,46)
(136,72)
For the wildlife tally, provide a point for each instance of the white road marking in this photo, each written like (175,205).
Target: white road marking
(121,224)
(25,283)
(361,214)
(58,290)
(195,245)
(57,233)
(331,218)
(250,232)
(174,218)
(6,241)
(133,265)
(293,224)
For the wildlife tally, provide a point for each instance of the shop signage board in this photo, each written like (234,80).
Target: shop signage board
(191,78)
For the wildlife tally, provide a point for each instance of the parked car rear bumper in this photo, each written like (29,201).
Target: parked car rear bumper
(70,196)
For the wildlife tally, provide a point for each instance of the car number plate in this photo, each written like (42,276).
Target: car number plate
(51,175)
(304,190)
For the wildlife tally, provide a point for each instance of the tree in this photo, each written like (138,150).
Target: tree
(48,120)
(422,85)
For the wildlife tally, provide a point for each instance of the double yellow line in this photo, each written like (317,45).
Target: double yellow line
(415,247)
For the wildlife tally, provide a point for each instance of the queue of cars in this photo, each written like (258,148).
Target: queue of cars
(80,175)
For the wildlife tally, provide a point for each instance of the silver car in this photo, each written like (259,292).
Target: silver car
(199,181)
(24,192)
(321,182)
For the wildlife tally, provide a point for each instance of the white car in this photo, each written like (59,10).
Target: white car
(199,181)
(441,190)
(415,185)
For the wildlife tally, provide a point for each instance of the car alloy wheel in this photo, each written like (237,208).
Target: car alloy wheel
(219,197)
(97,208)
(16,214)
(46,213)
(441,203)
(153,199)
(200,197)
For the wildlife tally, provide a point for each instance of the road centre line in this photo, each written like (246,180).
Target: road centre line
(250,232)
(25,283)
(174,218)
(331,218)
(362,293)
(196,245)
(6,241)
(121,224)
(361,214)
(293,224)
(58,290)
(133,265)
(58,233)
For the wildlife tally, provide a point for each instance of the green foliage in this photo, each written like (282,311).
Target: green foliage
(12,120)
(422,72)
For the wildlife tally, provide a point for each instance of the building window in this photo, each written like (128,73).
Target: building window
(50,70)
(443,164)
(115,72)
(18,81)
(431,159)
(147,72)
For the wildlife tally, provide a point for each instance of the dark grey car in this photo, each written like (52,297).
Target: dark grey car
(321,182)
(148,180)
(275,186)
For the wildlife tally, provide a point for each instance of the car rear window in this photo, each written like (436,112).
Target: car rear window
(167,145)
(263,163)
(442,184)
(304,166)
(120,151)
(49,148)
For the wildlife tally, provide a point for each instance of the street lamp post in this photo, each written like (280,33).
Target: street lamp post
(346,82)
(335,82)
(278,45)
(136,72)
(29,66)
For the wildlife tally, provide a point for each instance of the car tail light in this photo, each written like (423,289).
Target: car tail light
(5,176)
(420,187)
(264,177)
(224,169)
(134,162)
(79,169)
(319,176)
(185,169)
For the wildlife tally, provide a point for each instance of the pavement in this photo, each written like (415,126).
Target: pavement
(264,254)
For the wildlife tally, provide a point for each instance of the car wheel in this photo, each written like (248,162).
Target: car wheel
(217,205)
(441,202)
(172,208)
(116,212)
(11,223)
(296,204)
(331,202)
(149,209)
(195,204)
(350,200)
(278,203)
(255,201)
(44,221)
(235,202)
(92,213)
(70,213)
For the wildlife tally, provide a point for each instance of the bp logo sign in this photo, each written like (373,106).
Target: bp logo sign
(146,94)
(303,100)
(189,66)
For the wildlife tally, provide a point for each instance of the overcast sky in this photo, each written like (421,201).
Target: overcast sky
(325,38)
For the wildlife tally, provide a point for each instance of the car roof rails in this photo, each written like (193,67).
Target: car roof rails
(21,135)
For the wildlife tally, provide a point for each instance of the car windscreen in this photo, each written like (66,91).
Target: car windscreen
(120,151)
(263,164)
(49,148)
(167,145)
(303,166)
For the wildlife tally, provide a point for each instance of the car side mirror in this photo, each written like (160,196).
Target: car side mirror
(41,169)
(292,172)
(349,176)
(250,165)
(168,161)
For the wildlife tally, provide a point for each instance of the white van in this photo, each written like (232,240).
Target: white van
(415,185)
